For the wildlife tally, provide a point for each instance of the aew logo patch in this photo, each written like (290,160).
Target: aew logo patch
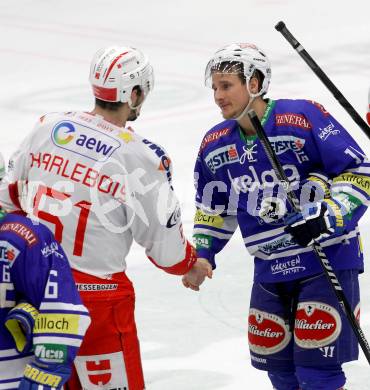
(267,332)
(221,156)
(316,325)
(84,140)
(8,252)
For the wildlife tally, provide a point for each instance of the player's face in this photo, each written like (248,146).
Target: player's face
(230,94)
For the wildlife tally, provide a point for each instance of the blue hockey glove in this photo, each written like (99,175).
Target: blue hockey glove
(315,222)
(315,188)
(44,377)
(20,322)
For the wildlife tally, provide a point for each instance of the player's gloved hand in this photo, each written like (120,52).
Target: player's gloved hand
(51,376)
(195,277)
(315,188)
(20,322)
(315,221)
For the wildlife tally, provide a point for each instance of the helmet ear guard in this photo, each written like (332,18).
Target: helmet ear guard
(115,71)
(226,60)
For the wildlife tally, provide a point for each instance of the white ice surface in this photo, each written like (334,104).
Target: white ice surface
(192,341)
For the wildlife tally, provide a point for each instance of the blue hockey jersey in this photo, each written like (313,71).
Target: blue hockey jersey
(236,186)
(34,268)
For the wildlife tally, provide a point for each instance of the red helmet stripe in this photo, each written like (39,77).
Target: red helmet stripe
(106,94)
(114,63)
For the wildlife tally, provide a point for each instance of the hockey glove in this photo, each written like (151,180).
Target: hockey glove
(20,322)
(315,222)
(44,377)
(315,188)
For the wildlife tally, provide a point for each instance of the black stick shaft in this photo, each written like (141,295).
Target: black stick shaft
(281,27)
(321,256)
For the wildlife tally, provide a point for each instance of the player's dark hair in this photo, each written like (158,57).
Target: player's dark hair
(237,67)
(115,106)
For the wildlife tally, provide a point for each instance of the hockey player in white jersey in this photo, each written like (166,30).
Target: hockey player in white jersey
(99,186)
(2,167)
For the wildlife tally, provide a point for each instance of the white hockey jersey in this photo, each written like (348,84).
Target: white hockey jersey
(97,187)
(2,167)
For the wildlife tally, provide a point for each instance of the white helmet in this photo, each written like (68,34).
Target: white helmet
(116,70)
(249,55)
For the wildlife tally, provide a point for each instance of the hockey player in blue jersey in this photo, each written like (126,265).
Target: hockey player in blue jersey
(42,319)
(297,331)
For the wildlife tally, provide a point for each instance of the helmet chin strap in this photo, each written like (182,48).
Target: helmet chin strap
(246,109)
(132,107)
(135,108)
(252,96)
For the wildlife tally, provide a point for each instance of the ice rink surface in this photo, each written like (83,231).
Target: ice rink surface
(190,341)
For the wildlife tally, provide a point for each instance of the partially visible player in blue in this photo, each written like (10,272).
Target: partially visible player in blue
(42,319)
(297,331)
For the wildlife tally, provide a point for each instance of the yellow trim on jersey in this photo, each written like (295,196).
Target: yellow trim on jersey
(321,183)
(338,215)
(359,181)
(57,323)
(208,219)
(40,376)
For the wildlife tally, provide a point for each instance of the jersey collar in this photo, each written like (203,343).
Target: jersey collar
(248,139)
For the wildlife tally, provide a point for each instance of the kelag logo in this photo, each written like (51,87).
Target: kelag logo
(84,140)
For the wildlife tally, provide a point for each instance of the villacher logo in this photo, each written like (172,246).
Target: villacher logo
(316,325)
(267,332)
(45,323)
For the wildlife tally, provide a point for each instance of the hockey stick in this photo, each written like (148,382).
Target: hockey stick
(323,77)
(317,248)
